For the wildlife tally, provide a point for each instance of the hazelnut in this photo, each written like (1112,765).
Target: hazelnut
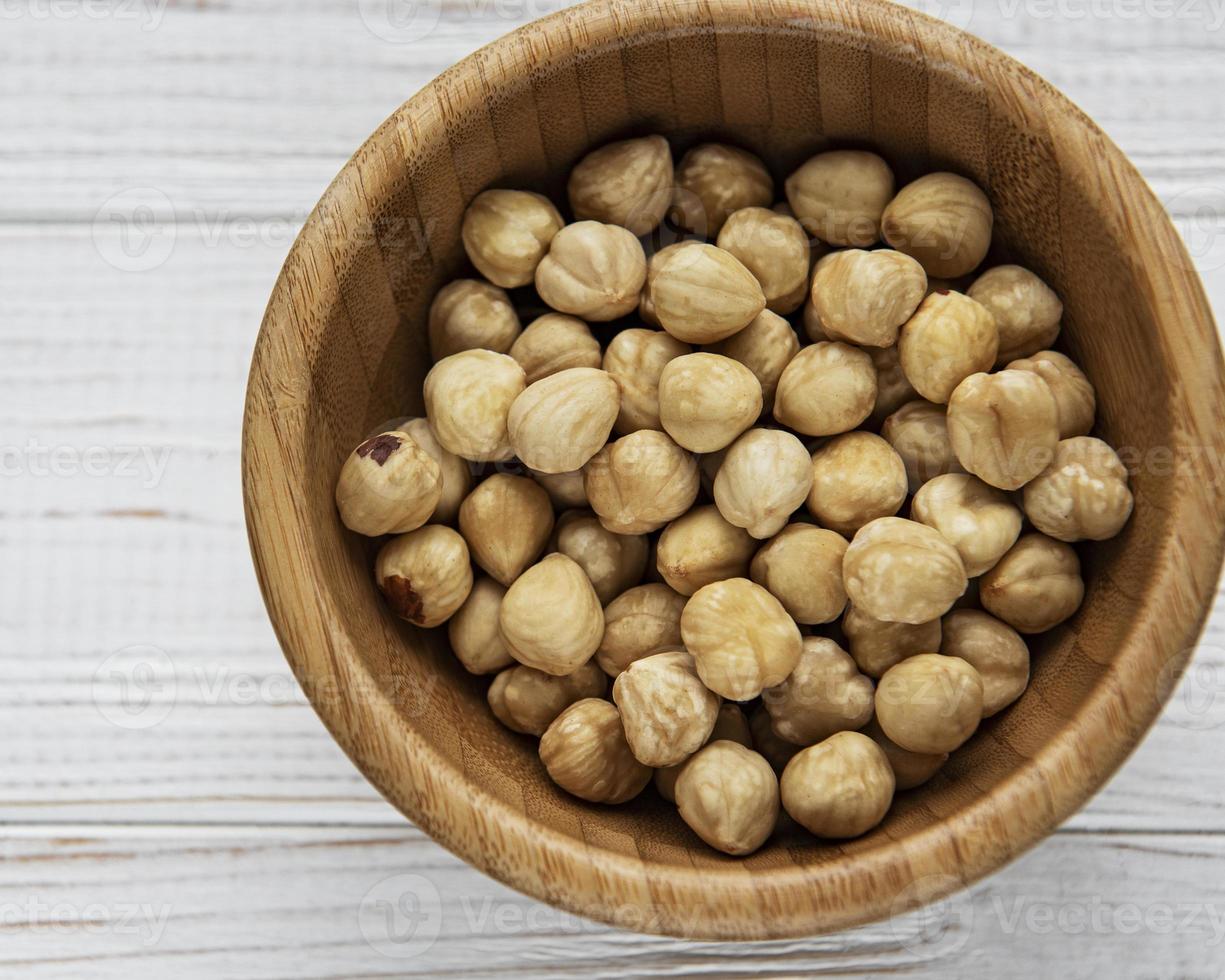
(774,249)
(713,181)
(1026,310)
(469,314)
(551,618)
(949,338)
(994,649)
(930,703)
(506,234)
(424,574)
(841,195)
(764,479)
(910,769)
(728,795)
(388,485)
(902,571)
(668,714)
(527,700)
(839,788)
(865,297)
(978,520)
(765,347)
(1075,399)
(636,358)
(944,221)
(893,390)
(827,388)
(628,183)
(702,547)
(701,293)
(473,631)
(919,434)
(856,478)
(587,755)
(825,694)
(565,490)
(1035,586)
(741,637)
(801,567)
(593,271)
(640,482)
(1004,426)
(776,751)
(646,303)
(553,343)
(468,397)
(877,645)
(639,622)
(506,521)
(1082,495)
(456,474)
(558,423)
(814,329)
(707,400)
(730,725)
(613,562)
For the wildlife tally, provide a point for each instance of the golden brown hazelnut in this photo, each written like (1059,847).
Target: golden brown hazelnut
(994,649)
(456,473)
(424,574)
(636,358)
(865,297)
(702,547)
(944,221)
(587,755)
(825,694)
(1075,399)
(910,769)
(592,270)
(646,303)
(877,645)
(628,183)
(741,637)
(713,181)
(728,795)
(613,562)
(1004,427)
(1083,493)
(949,338)
(930,703)
(765,347)
(1035,586)
(801,567)
(506,234)
(469,314)
(856,478)
(978,520)
(902,571)
(565,490)
(467,399)
(893,390)
(667,712)
(1026,310)
(919,434)
(774,249)
(527,700)
(730,725)
(640,482)
(827,388)
(776,751)
(841,194)
(506,521)
(764,479)
(555,342)
(839,788)
(551,618)
(473,631)
(701,294)
(707,400)
(639,622)
(814,329)
(558,423)
(388,485)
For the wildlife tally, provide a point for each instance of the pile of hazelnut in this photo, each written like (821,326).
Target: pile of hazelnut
(774,537)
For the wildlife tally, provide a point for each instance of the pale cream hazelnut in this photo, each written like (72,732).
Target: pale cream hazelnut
(587,755)
(1075,399)
(877,644)
(702,547)
(949,338)
(1004,427)
(856,478)
(424,575)
(944,221)
(506,234)
(527,700)
(825,694)
(456,473)
(639,622)
(839,788)
(473,631)
(902,571)
(930,703)
(801,567)
(558,423)
(667,712)
(469,314)
(893,390)
(827,388)
(841,194)
(388,485)
(701,294)
(551,618)
(713,181)
(640,482)
(707,400)
(919,434)
(555,342)
(992,648)
(764,479)
(1027,312)
(646,303)
(613,562)
(628,183)
(775,249)
(565,490)
(1035,586)
(865,297)
(814,329)
(776,751)
(765,347)
(976,519)
(636,358)
(910,769)
(1082,495)
(467,399)
(592,270)
(741,638)
(730,725)
(728,795)
(506,521)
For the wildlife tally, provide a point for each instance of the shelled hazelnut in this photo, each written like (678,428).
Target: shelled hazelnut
(1075,399)
(930,703)
(978,520)
(388,485)
(1083,493)
(527,700)
(839,788)
(594,271)
(728,795)
(774,249)
(713,181)
(506,521)
(613,562)
(701,294)
(766,346)
(944,221)
(467,400)
(801,567)
(910,769)
(865,297)
(825,694)
(1035,586)
(639,622)
(877,644)
(841,195)
(949,338)
(1027,312)
(994,649)
(628,183)
(635,359)
(558,423)
(640,482)
(469,314)
(902,571)
(707,400)
(919,434)
(826,388)
(764,478)
(424,574)
(551,617)
(856,478)
(1004,427)
(586,753)
(506,234)
(552,343)
(667,712)
(701,547)
(473,630)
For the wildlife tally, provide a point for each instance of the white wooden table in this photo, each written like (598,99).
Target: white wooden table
(193,818)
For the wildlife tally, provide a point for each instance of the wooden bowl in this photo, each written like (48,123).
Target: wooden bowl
(343,348)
